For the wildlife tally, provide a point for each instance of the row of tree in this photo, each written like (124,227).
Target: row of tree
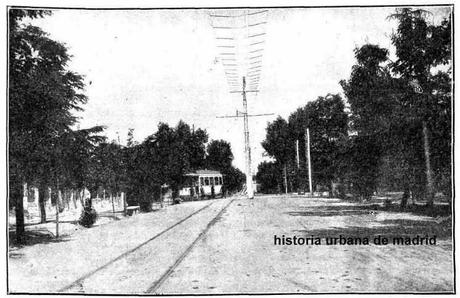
(162,159)
(46,151)
(395,131)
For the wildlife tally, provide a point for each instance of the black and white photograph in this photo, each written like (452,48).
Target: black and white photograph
(237,150)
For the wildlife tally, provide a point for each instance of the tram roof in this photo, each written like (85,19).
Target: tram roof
(204,173)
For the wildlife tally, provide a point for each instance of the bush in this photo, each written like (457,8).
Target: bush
(145,206)
(88,217)
(387,203)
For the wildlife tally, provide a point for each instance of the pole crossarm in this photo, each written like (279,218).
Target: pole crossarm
(241,115)
(244,91)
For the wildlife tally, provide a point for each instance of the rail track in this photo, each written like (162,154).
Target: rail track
(78,285)
(157,284)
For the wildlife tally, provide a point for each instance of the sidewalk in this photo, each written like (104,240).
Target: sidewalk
(44,267)
(68,221)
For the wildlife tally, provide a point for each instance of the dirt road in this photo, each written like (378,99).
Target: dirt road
(239,255)
(228,246)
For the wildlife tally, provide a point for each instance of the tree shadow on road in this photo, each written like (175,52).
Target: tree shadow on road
(38,236)
(361,209)
(388,228)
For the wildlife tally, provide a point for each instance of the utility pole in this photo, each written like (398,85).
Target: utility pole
(58,195)
(307,148)
(247,147)
(240,38)
(298,166)
(297,153)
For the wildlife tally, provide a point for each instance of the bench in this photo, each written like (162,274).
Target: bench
(132,210)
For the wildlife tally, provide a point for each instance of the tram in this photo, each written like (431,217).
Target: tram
(202,183)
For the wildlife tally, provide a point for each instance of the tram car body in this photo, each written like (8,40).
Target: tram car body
(201,184)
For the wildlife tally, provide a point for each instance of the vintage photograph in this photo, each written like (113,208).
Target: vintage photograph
(226,151)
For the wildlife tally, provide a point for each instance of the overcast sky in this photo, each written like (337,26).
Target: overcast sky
(151,66)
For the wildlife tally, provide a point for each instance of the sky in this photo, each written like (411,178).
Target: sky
(142,67)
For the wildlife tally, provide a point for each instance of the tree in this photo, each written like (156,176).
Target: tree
(107,168)
(279,144)
(234,179)
(370,91)
(420,47)
(219,155)
(269,177)
(327,120)
(197,148)
(42,95)
(162,158)
(401,109)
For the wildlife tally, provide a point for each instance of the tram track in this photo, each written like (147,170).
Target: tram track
(125,254)
(157,284)
(134,270)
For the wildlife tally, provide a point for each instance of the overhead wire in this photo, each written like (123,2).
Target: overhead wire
(241,34)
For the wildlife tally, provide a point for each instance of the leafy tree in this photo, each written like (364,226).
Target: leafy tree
(279,144)
(144,174)
(107,168)
(162,158)
(234,179)
(219,155)
(370,91)
(420,48)
(269,176)
(42,95)
(196,145)
(397,107)
(327,120)
(373,103)
(130,140)
(361,157)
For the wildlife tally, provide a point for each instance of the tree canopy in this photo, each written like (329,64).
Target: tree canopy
(397,120)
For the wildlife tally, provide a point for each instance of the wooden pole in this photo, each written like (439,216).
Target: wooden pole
(297,153)
(247,147)
(57,211)
(309,161)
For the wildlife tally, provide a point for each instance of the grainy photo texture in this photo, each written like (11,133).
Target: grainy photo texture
(262,150)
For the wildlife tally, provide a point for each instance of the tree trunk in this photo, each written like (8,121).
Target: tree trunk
(404,199)
(17,193)
(113,204)
(80,197)
(429,175)
(55,194)
(41,202)
(74,199)
(68,194)
(285,179)
(125,205)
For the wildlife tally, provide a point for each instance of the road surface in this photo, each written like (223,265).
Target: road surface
(227,246)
